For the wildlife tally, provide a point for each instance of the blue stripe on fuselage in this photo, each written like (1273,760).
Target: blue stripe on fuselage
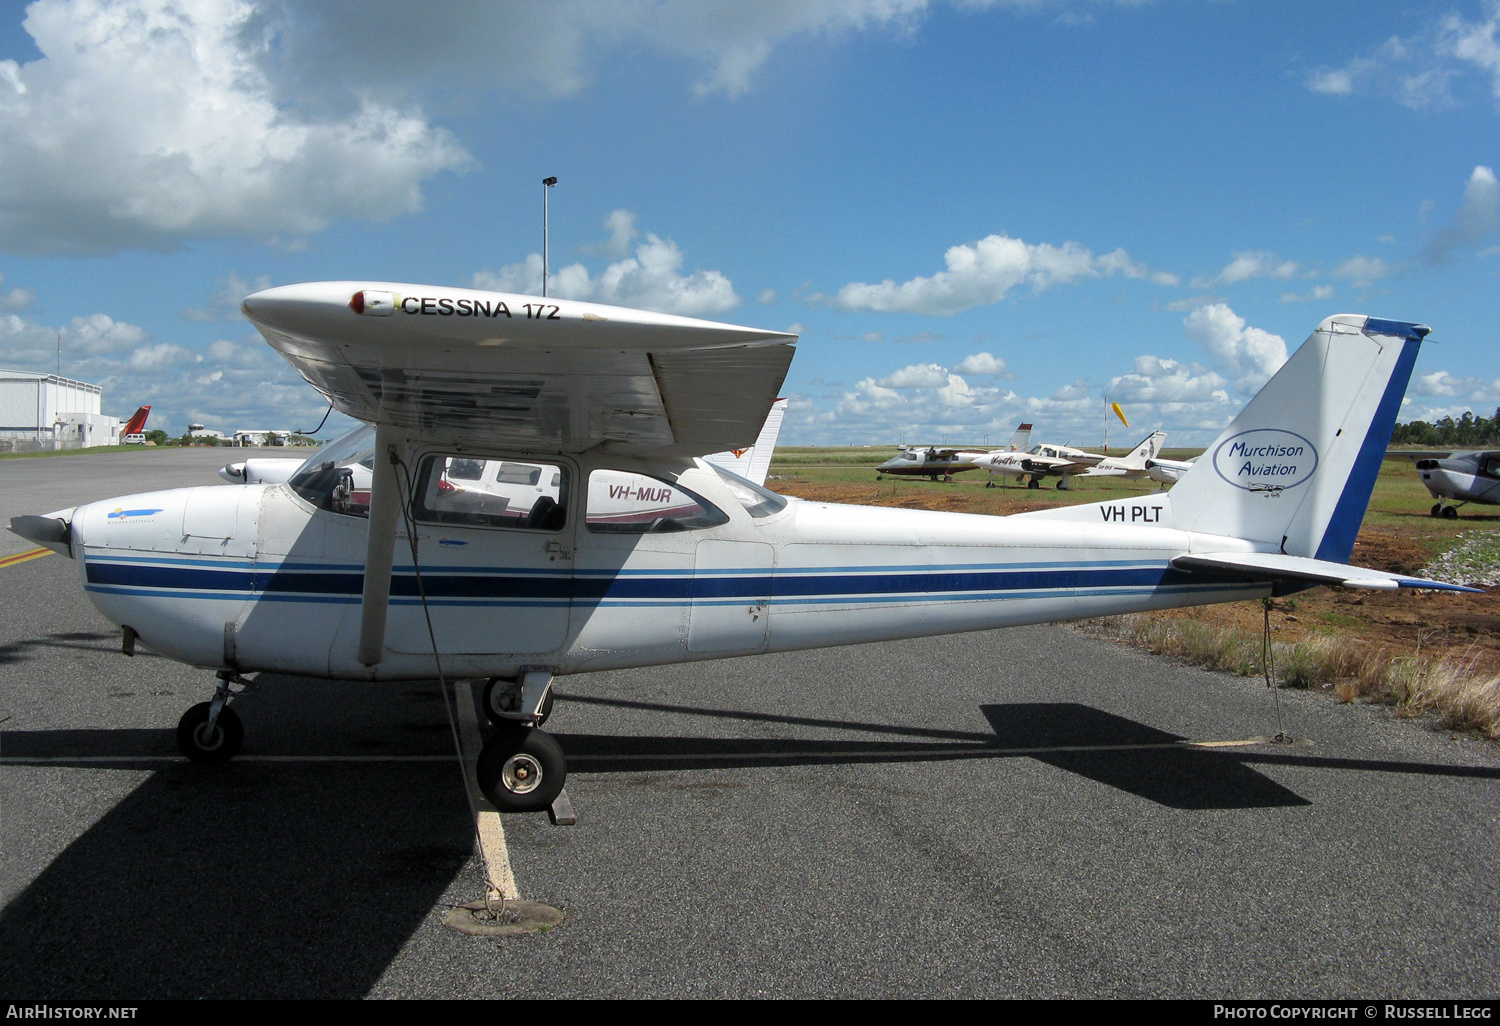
(449,588)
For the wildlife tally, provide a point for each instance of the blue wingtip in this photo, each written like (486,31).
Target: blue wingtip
(1417,582)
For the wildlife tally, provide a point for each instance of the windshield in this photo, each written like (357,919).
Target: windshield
(337,477)
(758,502)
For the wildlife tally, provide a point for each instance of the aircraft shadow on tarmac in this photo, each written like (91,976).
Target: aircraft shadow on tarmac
(33,648)
(274,879)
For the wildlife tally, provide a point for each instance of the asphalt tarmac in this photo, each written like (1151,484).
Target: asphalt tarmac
(989,815)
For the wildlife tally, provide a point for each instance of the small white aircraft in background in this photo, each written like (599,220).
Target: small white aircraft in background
(1060,461)
(316,578)
(1455,478)
(1132,465)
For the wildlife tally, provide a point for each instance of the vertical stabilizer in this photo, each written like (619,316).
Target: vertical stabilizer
(754,463)
(137,423)
(1021,440)
(1295,469)
(1148,449)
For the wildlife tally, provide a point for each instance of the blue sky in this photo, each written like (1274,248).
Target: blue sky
(974,213)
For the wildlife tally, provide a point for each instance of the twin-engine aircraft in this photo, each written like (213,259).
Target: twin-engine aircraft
(1456,477)
(407,580)
(930,461)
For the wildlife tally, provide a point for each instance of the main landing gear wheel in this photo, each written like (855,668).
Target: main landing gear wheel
(1437,509)
(1033,483)
(496,690)
(205,747)
(521,769)
(1450,512)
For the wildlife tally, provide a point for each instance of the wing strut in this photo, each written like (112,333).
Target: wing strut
(380,547)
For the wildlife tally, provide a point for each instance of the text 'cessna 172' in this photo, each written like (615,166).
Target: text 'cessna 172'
(406,580)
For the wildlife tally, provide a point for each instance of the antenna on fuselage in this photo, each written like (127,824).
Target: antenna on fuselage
(547,183)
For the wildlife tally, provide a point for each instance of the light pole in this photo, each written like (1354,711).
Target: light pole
(547,183)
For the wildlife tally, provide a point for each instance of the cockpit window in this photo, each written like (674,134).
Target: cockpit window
(625,503)
(758,502)
(337,477)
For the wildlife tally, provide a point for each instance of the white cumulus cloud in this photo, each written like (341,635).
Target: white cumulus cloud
(1250,265)
(650,280)
(925,375)
(1362,271)
(1478,217)
(984,272)
(982,363)
(1248,355)
(147,122)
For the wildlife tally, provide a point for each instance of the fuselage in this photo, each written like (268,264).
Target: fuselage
(1466,477)
(255,577)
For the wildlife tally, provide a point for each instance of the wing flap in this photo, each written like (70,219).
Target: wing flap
(1275,566)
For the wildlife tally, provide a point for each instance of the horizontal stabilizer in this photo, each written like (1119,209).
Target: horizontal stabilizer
(1274,566)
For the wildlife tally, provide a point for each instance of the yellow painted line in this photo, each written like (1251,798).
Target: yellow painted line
(23,557)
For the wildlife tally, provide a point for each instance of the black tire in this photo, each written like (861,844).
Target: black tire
(1437,509)
(495,716)
(1450,512)
(521,770)
(228,735)
(1033,483)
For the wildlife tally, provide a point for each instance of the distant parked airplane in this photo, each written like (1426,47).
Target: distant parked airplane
(1460,477)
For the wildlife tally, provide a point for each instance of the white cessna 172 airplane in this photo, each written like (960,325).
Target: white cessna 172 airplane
(314,578)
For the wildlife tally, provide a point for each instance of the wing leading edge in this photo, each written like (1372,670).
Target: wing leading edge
(548,375)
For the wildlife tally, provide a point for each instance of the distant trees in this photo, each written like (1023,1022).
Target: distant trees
(1467,432)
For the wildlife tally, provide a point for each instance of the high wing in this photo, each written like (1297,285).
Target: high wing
(1275,566)
(460,365)
(1419,454)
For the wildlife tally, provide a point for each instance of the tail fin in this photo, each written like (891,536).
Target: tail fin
(1021,440)
(755,462)
(137,424)
(1136,460)
(1295,469)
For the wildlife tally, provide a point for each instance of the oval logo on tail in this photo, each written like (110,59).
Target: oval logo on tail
(1266,460)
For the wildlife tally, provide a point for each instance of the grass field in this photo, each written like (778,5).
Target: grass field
(1358,644)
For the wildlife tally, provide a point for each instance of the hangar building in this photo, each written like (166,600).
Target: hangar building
(46,411)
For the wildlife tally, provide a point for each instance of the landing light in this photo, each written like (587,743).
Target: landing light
(372,303)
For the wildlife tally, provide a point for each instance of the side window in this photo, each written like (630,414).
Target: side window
(1492,466)
(622,503)
(492,493)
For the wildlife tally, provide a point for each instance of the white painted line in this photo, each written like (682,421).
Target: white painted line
(501,879)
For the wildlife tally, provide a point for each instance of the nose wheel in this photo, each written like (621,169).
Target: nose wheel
(521,769)
(209,744)
(210,733)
